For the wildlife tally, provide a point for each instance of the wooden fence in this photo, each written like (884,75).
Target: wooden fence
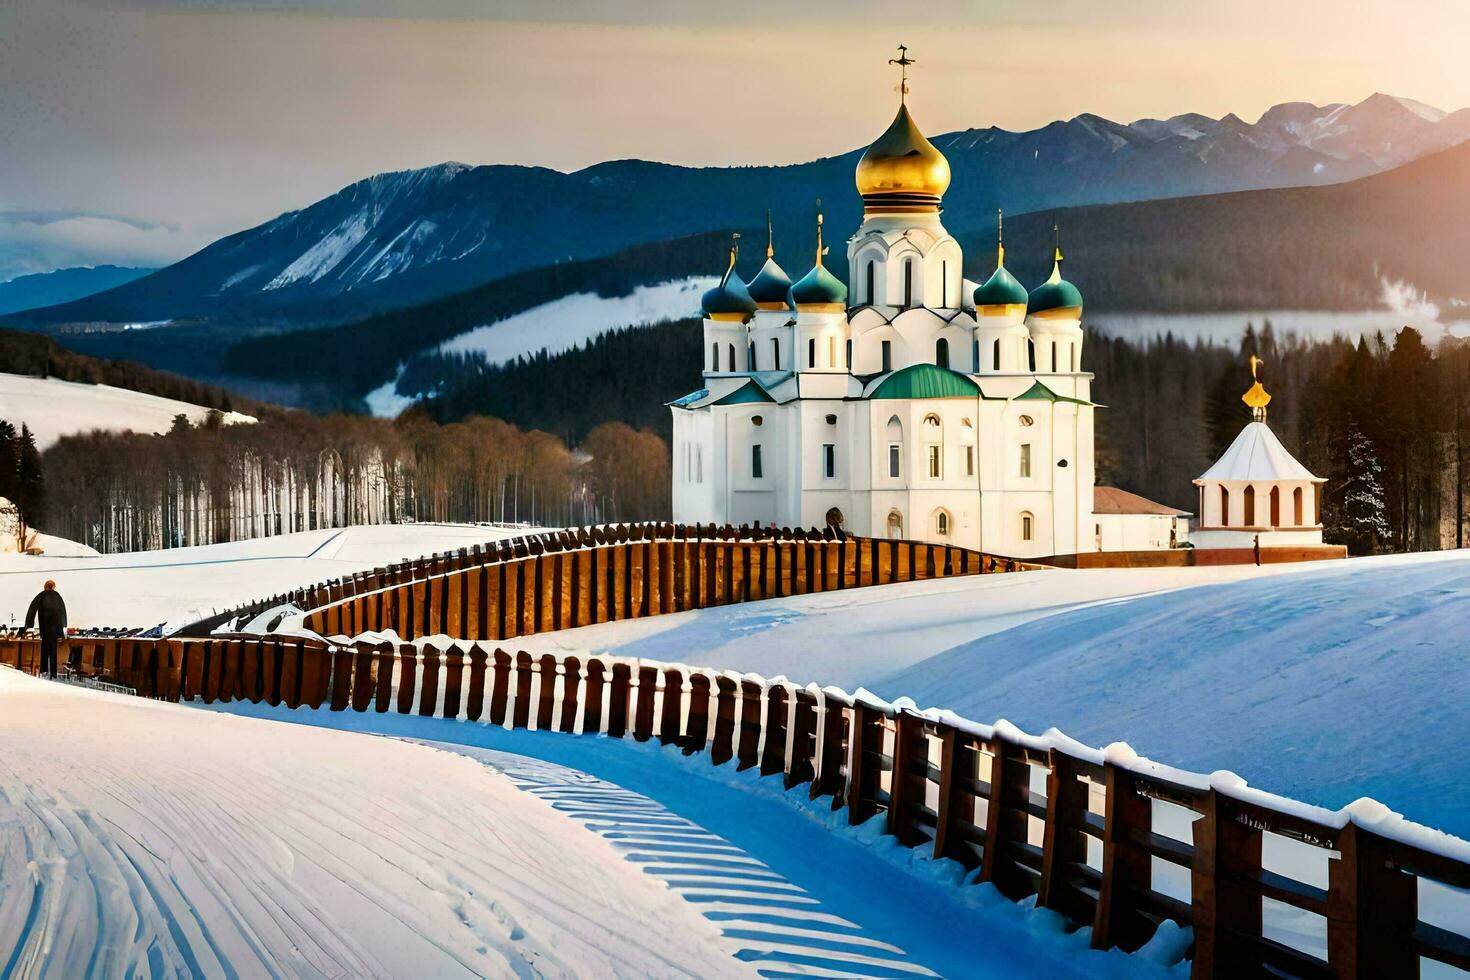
(1083,831)
(562,579)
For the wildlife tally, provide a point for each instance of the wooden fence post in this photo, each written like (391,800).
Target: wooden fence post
(907,787)
(1372,909)
(592,701)
(1127,816)
(722,749)
(475,707)
(546,697)
(748,751)
(1006,818)
(1227,855)
(362,655)
(521,718)
(1063,845)
(408,677)
(617,705)
(801,760)
(671,707)
(645,706)
(697,734)
(773,753)
(431,664)
(864,761)
(571,682)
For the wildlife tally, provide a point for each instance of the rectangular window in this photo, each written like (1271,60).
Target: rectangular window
(894,469)
(934,462)
(1026,460)
(887,356)
(848,353)
(829,461)
(811,352)
(755,461)
(969,461)
(1025,527)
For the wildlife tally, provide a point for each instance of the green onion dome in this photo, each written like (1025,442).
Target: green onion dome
(819,291)
(1001,289)
(730,300)
(770,286)
(1056,297)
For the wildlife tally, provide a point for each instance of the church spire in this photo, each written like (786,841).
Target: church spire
(820,249)
(1000,239)
(770,237)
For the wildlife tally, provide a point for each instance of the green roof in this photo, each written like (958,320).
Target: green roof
(1054,294)
(746,394)
(926,381)
(1001,289)
(1040,392)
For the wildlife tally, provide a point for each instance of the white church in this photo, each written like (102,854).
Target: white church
(916,405)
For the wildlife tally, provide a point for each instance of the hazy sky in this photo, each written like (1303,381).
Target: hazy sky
(138,130)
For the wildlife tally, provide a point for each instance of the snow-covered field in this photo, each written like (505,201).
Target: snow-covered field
(560,325)
(160,839)
(145,839)
(1323,682)
(54,408)
(149,587)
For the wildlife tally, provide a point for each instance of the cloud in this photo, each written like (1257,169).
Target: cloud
(42,241)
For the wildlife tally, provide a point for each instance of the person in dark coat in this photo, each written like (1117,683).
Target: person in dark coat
(50,610)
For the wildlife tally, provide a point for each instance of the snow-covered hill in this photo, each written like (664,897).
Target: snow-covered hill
(150,587)
(559,325)
(54,408)
(1324,682)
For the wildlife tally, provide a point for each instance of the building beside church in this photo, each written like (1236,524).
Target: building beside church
(1257,492)
(915,404)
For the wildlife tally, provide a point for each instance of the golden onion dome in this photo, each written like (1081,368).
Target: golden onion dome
(902,172)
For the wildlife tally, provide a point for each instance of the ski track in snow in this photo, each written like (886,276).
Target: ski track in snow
(149,839)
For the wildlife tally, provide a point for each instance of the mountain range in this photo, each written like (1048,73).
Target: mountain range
(63,285)
(399,239)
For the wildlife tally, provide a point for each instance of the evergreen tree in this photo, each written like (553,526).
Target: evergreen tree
(1364,508)
(30,487)
(9,443)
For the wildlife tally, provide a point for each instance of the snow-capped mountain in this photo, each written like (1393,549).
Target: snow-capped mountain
(401,238)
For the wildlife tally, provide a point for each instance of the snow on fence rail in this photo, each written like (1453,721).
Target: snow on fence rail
(561,579)
(1105,838)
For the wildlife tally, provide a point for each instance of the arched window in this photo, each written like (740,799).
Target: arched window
(908,282)
(750,355)
(1224,506)
(941,352)
(714,357)
(872,292)
(932,419)
(775,354)
(1275,506)
(995,354)
(895,524)
(1028,525)
(944,284)
(811,352)
(941,523)
(1053,357)
(1296,507)
(1031,356)
(732,356)
(1073,349)
(1250,506)
(848,354)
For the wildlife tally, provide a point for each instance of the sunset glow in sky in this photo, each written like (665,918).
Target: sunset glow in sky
(154,126)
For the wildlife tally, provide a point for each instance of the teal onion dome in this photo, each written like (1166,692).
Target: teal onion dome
(1001,289)
(770,286)
(730,300)
(1056,295)
(819,291)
